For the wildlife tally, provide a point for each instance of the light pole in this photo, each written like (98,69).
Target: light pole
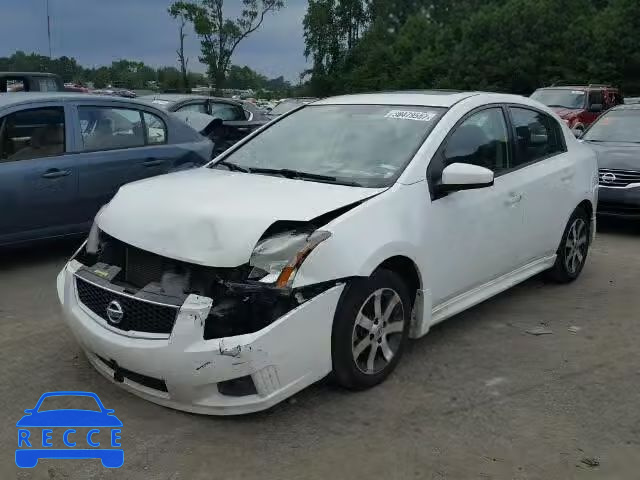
(49,28)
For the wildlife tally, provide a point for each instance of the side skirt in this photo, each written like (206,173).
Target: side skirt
(481,293)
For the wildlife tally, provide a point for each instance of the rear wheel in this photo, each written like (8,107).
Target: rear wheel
(572,253)
(370,330)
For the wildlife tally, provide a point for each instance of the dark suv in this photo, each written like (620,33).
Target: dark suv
(579,106)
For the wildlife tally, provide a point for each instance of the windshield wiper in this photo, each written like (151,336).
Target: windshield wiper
(299,175)
(289,173)
(232,166)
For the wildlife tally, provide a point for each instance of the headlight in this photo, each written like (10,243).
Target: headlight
(93,240)
(278,258)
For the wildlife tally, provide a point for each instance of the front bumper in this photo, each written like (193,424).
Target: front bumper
(281,359)
(619,201)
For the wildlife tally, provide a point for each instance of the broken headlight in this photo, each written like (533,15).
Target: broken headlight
(277,259)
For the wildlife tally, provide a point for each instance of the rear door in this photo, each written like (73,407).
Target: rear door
(547,171)
(38,174)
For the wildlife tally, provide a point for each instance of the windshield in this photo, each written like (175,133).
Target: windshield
(616,126)
(367,145)
(560,97)
(288,105)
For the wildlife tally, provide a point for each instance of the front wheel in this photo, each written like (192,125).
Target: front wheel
(572,253)
(370,330)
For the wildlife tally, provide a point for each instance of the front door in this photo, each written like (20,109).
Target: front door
(473,236)
(38,177)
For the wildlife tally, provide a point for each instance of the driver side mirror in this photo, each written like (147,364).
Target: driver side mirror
(577,132)
(595,107)
(464,176)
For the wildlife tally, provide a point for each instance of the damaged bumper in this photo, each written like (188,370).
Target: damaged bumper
(182,370)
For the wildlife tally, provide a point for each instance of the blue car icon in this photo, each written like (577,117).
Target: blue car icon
(36,432)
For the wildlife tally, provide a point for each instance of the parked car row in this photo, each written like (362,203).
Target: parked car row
(323,242)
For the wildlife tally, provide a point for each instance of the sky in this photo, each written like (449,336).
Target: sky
(97,32)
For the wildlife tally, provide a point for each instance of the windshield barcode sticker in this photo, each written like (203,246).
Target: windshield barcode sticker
(411,115)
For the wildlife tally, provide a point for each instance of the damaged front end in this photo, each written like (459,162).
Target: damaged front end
(151,288)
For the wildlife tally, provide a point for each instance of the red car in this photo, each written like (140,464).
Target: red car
(579,106)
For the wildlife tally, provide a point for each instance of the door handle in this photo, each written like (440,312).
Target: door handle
(567,177)
(55,173)
(152,162)
(514,199)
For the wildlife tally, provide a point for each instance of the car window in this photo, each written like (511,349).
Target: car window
(106,128)
(482,139)
(16,85)
(65,402)
(32,133)
(595,97)
(537,135)
(156,129)
(227,112)
(193,107)
(47,85)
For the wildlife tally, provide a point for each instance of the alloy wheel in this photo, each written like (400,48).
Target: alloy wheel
(575,249)
(377,332)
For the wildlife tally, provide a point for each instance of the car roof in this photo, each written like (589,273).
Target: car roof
(578,87)
(27,74)
(427,98)
(20,98)
(173,97)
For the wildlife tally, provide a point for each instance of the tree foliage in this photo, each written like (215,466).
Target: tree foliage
(496,45)
(219,35)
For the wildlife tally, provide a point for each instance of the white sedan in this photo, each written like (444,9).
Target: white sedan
(324,241)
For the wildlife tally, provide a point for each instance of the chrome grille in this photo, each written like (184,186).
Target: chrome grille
(139,315)
(611,177)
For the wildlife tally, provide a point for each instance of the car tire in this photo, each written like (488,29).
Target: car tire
(370,330)
(573,249)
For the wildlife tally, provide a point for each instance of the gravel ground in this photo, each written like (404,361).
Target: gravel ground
(477,398)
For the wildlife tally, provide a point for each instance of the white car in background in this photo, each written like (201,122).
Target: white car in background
(322,242)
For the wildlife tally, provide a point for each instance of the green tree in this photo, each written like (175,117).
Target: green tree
(219,36)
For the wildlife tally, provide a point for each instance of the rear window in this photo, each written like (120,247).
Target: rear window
(32,133)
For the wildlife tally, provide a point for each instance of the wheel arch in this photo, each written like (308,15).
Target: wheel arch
(410,273)
(587,206)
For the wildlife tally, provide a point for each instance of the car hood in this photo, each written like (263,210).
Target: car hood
(563,112)
(623,156)
(214,217)
(69,418)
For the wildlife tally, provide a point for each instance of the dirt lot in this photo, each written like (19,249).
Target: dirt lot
(478,398)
